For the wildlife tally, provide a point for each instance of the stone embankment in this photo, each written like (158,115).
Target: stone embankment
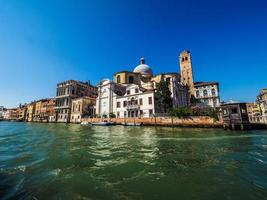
(205,122)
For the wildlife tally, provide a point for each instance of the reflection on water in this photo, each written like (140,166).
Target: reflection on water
(69,161)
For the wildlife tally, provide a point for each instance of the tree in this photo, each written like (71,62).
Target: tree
(112,115)
(163,100)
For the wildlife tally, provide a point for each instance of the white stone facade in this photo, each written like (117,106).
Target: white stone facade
(124,101)
(207,93)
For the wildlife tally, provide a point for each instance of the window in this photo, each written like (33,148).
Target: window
(128,92)
(197,93)
(79,107)
(118,104)
(149,100)
(135,102)
(186,58)
(182,59)
(150,112)
(124,103)
(213,92)
(140,102)
(214,102)
(168,80)
(118,79)
(131,79)
(78,116)
(205,93)
(136,90)
(234,110)
(141,113)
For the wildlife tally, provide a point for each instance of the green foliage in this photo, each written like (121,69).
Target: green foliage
(181,112)
(104,116)
(163,100)
(112,115)
(206,111)
(194,111)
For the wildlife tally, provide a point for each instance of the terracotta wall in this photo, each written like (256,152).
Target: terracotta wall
(162,121)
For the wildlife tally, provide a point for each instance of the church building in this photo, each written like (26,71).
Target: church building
(132,93)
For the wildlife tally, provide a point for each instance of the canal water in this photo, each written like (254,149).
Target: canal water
(69,161)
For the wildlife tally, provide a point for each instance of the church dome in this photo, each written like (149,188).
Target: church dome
(105,82)
(143,69)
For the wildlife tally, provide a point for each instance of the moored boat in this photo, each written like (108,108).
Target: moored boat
(132,124)
(85,123)
(103,123)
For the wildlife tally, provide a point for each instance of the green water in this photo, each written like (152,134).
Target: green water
(59,161)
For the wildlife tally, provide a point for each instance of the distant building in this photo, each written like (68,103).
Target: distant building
(30,111)
(11,114)
(44,110)
(235,115)
(50,111)
(254,112)
(82,107)
(22,112)
(207,93)
(66,92)
(262,100)
(2,110)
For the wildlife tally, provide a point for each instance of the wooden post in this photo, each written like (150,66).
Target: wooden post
(233,126)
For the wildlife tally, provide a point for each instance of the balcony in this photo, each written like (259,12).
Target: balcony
(132,107)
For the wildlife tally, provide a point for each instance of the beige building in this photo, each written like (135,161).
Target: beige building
(44,110)
(262,100)
(11,114)
(82,107)
(187,71)
(66,92)
(254,112)
(30,112)
(22,112)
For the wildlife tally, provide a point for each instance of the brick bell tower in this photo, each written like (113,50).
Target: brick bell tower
(187,71)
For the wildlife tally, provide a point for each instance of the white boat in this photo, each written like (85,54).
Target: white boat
(103,123)
(132,124)
(85,123)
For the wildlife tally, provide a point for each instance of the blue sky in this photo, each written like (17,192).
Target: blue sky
(45,42)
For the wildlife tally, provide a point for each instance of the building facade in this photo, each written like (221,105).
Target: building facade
(66,92)
(132,94)
(254,112)
(262,100)
(22,112)
(82,107)
(207,93)
(11,114)
(44,110)
(235,115)
(30,112)
(2,110)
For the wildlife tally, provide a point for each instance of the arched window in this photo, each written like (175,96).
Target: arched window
(197,93)
(213,92)
(205,93)
(118,79)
